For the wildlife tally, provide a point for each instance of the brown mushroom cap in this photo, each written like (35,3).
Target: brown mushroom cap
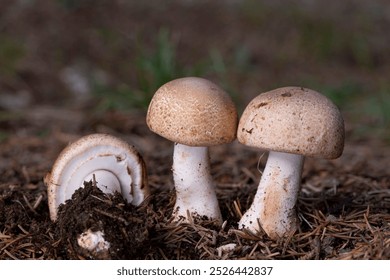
(194,112)
(293,120)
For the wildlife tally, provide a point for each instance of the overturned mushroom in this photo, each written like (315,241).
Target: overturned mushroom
(110,162)
(195,114)
(291,123)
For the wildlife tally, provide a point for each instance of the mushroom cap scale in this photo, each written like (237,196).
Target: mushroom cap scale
(193,111)
(109,158)
(293,120)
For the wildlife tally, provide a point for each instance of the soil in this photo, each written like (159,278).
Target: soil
(343,206)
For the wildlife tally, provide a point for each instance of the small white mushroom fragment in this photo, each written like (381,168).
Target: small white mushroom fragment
(195,114)
(93,241)
(111,162)
(290,122)
(226,248)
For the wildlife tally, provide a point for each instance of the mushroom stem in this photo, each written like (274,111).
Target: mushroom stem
(193,183)
(274,203)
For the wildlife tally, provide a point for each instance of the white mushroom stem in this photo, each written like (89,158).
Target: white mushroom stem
(274,203)
(193,183)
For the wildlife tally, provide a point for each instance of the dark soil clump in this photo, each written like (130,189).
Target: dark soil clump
(125,226)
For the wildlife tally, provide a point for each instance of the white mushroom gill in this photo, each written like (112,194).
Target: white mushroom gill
(102,161)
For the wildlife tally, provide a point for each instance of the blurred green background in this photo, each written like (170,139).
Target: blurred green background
(113,55)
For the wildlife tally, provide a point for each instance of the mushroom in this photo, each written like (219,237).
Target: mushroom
(112,163)
(195,114)
(290,122)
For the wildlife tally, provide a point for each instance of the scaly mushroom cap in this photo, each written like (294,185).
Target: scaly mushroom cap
(293,120)
(194,112)
(115,165)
